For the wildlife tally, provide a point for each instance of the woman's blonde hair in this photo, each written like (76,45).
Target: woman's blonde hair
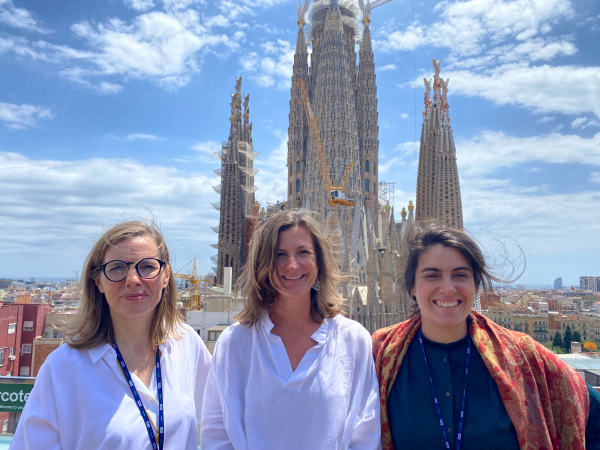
(255,283)
(93,325)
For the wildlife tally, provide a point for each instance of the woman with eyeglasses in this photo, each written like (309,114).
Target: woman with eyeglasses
(132,375)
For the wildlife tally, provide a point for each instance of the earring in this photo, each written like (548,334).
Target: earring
(317,285)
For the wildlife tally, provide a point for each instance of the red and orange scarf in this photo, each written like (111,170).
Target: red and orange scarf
(547,402)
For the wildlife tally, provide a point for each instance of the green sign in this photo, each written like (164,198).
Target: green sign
(14,396)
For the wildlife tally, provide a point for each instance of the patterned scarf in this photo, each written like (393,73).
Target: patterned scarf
(547,402)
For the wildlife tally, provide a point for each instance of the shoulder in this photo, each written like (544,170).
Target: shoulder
(383,335)
(236,337)
(189,342)
(65,356)
(351,329)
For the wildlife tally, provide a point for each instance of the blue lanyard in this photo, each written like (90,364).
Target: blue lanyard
(435,399)
(140,405)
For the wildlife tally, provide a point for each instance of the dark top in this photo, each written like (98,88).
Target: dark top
(412,414)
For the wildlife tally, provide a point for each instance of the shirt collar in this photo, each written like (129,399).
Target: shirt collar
(98,352)
(320,336)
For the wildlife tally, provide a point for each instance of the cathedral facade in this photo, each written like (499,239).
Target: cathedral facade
(343,95)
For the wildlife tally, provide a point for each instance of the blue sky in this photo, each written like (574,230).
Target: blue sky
(111,111)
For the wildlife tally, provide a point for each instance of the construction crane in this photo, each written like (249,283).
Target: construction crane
(336,196)
(366,9)
(194,299)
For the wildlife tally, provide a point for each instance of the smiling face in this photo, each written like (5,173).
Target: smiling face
(445,291)
(296,267)
(134,298)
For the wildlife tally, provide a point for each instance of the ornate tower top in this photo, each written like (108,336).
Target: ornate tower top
(301,12)
(403,213)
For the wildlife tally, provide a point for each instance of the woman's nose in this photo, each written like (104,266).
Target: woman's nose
(448,287)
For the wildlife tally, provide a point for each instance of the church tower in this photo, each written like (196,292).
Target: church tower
(438,190)
(367,118)
(236,188)
(298,129)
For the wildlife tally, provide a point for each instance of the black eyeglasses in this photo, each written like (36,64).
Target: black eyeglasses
(147,268)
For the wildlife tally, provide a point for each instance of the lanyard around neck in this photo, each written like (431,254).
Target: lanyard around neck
(150,427)
(437,403)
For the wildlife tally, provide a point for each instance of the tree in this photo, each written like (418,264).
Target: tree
(576,337)
(567,339)
(557,342)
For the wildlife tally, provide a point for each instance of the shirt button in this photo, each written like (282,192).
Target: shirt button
(447,394)
(449,430)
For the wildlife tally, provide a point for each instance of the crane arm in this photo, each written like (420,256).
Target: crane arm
(314,134)
(346,175)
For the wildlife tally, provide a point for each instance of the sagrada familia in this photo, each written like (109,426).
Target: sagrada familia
(343,94)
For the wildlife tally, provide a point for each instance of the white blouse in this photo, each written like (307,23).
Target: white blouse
(81,401)
(254,401)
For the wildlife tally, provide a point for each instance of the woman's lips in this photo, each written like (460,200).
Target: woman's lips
(450,303)
(135,297)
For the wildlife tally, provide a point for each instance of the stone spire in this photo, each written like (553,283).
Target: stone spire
(367,119)
(334,107)
(438,190)
(298,129)
(236,188)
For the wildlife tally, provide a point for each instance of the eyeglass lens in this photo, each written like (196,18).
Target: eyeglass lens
(146,268)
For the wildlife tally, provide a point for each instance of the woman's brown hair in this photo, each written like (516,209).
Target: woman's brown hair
(428,235)
(93,325)
(255,283)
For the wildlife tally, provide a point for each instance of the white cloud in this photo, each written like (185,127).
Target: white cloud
(271,70)
(404,116)
(595,177)
(491,149)
(578,122)
(23,116)
(18,17)
(81,198)
(140,5)
(142,136)
(464,26)
(565,89)
(546,119)
(388,67)
(206,152)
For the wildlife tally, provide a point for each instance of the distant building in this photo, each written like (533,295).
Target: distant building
(42,347)
(558,284)
(33,326)
(4,283)
(590,284)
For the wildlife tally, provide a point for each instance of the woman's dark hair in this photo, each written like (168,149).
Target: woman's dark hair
(426,236)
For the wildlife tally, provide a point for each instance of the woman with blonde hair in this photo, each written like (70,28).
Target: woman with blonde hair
(132,375)
(294,373)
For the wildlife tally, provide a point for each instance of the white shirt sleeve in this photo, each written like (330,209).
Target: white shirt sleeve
(202,369)
(38,426)
(367,431)
(213,434)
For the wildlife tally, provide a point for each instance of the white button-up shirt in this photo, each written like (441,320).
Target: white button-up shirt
(81,401)
(254,401)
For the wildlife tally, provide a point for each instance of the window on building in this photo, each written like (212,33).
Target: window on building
(367,185)
(26,348)
(5,426)
(297,166)
(1,356)
(213,335)
(28,325)
(367,165)
(24,372)
(12,328)
(297,186)
(11,351)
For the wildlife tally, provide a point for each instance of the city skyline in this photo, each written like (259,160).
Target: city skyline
(93,132)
